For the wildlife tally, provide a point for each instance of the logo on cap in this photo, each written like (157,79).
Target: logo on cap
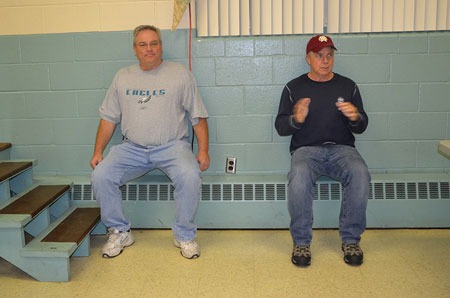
(323,38)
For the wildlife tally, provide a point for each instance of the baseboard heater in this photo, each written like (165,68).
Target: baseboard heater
(255,205)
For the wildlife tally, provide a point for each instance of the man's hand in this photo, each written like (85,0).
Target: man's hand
(349,110)
(104,134)
(96,159)
(301,109)
(203,160)
(201,132)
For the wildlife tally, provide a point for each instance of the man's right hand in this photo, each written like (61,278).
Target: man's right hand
(96,159)
(301,109)
(104,134)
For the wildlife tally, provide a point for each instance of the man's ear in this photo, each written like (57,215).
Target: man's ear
(307,58)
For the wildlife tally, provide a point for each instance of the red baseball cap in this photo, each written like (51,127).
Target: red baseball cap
(318,42)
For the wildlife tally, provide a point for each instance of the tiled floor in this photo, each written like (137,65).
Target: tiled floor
(398,263)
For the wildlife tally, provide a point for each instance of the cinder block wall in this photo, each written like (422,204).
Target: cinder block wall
(52,84)
(60,16)
(58,57)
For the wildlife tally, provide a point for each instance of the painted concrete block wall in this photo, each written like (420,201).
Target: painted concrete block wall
(60,16)
(51,86)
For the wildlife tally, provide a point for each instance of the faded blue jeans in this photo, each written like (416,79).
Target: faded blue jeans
(339,162)
(128,161)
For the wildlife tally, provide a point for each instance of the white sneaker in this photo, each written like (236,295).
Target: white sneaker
(117,241)
(189,249)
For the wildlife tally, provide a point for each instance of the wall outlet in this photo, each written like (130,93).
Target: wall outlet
(230,166)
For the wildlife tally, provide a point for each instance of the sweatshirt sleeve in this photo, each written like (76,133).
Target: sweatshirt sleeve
(360,125)
(110,108)
(285,123)
(192,101)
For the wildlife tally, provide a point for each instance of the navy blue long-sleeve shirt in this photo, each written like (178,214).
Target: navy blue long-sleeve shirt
(324,124)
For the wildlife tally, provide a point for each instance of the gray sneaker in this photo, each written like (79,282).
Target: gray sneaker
(188,249)
(117,241)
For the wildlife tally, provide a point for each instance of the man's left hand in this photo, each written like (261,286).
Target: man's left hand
(203,160)
(349,110)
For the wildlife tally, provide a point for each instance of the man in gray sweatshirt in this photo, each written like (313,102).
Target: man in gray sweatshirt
(153,100)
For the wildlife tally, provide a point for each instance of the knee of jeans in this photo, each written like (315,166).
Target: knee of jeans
(99,175)
(360,172)
(188,174)
(299,175)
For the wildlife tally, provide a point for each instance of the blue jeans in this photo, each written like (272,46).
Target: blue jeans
(342,163)
(128,161)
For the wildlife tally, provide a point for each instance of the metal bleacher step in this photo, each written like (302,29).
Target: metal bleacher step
(75,227)
(39,230)
(20,210)
(15,177)
(48,255)
(5,151)
(4,146)
(63,236)
(34,201)
(9,169)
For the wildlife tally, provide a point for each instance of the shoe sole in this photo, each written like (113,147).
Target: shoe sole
(181,253)
(106,256)
(300,265)
(192,257)
(353,264)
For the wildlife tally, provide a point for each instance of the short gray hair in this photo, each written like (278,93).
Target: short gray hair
(141,28)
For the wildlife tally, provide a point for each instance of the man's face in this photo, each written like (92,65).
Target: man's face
(321,64)
(148,49)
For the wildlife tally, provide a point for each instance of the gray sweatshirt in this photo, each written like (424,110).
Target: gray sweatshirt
(153,106)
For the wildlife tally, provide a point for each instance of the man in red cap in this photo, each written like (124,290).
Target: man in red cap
(322,110)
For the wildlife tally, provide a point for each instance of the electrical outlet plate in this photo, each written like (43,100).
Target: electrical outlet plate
(230,166)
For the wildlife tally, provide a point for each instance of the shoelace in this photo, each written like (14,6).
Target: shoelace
(352,249)
(112,234)
(302,250)
(188,244)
